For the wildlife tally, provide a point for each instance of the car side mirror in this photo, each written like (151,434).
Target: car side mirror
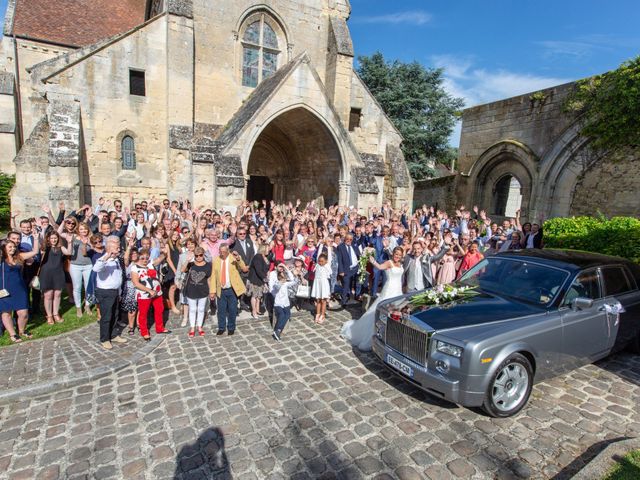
(581,303)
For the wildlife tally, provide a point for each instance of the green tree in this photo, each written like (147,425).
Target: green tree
(609,106)
(414,98)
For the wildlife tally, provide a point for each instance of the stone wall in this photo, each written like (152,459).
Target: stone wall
(611,186)
(532,138)
(100,82)
(437,192)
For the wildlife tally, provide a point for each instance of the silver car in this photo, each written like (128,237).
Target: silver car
(535,314)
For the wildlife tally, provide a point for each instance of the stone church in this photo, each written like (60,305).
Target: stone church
(214,101)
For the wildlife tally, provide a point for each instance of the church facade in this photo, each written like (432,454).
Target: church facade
(214,101)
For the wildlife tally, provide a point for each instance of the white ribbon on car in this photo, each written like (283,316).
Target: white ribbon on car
(613,309)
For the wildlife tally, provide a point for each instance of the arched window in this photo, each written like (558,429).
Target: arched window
(507,197)
(128,153)
(260,50)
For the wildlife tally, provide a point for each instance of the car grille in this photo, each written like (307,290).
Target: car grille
(411,343)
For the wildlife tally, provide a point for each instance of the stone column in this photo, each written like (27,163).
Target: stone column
(344,192)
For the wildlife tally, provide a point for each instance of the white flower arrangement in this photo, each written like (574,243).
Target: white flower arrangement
(442,294)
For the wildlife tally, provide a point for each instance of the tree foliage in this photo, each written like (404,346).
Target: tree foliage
(6,183)
(414,98)
(609,105)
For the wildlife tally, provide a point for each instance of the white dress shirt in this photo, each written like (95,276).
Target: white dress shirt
(418,278)
(109,274)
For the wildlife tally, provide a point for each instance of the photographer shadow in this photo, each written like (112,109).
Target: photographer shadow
(205,458)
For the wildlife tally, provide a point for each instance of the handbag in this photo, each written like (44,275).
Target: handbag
(35,281)
(303,291)
(4,293)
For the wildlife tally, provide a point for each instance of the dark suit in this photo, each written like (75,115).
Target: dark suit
(427,273)
(349,274)
(247,253)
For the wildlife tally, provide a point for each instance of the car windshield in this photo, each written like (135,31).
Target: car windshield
(516,278)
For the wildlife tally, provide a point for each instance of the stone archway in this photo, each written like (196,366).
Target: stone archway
(297,154)
(491,176)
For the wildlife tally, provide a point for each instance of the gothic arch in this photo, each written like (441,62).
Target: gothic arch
(560,169)
(505,158)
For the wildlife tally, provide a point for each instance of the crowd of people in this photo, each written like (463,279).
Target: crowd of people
(131,262)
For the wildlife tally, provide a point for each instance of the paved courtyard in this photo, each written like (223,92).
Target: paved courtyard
(247,407)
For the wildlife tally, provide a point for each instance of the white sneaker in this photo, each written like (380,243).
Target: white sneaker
(119,339)
(106,345)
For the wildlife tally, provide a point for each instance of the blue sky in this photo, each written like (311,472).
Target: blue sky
(498,48)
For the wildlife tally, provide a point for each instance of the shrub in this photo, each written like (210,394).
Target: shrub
(6,183)
(619,236)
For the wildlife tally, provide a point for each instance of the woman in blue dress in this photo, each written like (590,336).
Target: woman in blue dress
(14,291)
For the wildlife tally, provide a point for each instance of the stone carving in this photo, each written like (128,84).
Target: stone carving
(180,137)
(182,8)
(6,83)
(344,45)
(364,180)
(398,166)
(374,164)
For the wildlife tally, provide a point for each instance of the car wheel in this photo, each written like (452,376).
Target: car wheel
(510,387)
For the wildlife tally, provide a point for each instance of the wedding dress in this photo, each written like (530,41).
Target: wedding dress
(360,332)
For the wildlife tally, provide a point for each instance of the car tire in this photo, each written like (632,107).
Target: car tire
(510,386)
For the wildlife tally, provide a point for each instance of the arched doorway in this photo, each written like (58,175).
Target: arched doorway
(507,198)
(295,156)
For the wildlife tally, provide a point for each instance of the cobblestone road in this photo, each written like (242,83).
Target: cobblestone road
(248,407)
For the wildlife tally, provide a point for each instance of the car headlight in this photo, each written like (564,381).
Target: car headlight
(449,349)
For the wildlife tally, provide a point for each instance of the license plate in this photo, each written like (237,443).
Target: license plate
(398,365)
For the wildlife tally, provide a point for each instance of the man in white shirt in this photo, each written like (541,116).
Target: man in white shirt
(109,275)
(279,287)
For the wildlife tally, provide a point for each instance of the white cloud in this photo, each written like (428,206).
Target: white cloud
(560,48)
(414,17)
(479,85)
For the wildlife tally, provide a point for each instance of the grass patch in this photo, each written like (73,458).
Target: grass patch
(39,328)
(627,468)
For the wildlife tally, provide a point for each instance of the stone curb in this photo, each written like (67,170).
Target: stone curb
(75,379)
(605,460)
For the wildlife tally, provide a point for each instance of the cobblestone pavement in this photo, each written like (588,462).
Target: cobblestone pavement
(77,352)
(309,407)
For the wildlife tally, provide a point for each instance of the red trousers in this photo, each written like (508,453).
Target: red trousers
(143,310)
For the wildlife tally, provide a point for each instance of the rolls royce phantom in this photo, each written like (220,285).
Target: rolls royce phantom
(534,314)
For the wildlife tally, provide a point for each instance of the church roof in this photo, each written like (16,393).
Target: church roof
(75,23)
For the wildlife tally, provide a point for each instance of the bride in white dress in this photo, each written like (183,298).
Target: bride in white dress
(360,332)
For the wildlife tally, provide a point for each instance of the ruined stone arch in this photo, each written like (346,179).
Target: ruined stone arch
(508,158)
(561,166)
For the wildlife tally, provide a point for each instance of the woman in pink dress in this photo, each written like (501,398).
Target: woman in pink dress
(447,272)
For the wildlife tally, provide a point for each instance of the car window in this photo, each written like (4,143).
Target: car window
(615,281)
(518,279)
(586,285)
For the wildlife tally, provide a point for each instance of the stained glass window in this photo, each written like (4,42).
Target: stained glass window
(269,64)
(259,53)
(252,34)
(250,61)
(269,38)
(128,153)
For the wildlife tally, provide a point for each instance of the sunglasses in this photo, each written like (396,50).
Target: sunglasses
(199,255)
(70,222)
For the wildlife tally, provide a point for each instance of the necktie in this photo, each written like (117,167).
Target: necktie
(223,274)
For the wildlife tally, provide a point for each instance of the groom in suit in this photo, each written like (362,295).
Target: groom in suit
(418,273)
(227,285)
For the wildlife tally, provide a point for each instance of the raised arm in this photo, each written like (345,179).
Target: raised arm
(34,250)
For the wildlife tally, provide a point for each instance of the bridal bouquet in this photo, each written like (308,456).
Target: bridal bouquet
(442,294)
(362,263)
